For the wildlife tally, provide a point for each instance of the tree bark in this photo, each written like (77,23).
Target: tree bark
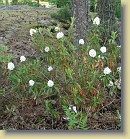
(38,2)
(107,12)
(80,10)
(7,3)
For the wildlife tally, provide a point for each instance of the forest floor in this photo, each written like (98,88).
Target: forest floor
(14,32)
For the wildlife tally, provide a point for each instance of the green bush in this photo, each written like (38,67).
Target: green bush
(118,10)
(1,3)
(63,14)
(59,3)
(93,5)
(28,2)
(34,4)
(25,2)
(80,77)
(14,2)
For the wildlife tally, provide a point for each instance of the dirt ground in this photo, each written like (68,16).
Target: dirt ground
(14,30)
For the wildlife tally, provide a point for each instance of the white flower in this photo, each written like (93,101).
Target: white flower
(31,83)
(99,56)
(92,53)
(73,108)
(57,28)
(119,69)
(59,35)
(66,118)
(81,41)
(118,46)
(103,49)
(107,70)
(50,83)
(110,83)
(119,87)
(50,68)
(118,82)
(47,49)
(11,66)
(32,31)
(22,58)
(96,21)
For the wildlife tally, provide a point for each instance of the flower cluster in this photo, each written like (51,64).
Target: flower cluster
(22,58)
(47,49)
(31,83)
(32,31)
(103,49)
(73,108)
(57,29)
(119,69)
(81,41)
(110,83)
(59,35)
(118,83)
(96,21)
(11,66)
(92,53)
(50,83)
(107,71)
(50,68)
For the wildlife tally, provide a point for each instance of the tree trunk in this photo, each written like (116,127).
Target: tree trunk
(38,1)
(80,9)
(7,3)
(107,12)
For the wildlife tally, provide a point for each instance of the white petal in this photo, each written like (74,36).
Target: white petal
(74,108)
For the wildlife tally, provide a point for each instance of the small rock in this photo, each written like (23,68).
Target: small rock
(66,26)
(53,22)
(95,116)
(1,41)
(45,23)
